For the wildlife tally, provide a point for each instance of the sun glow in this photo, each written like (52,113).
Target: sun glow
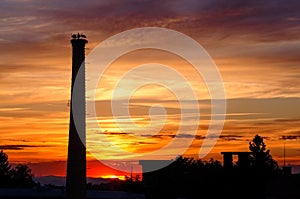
(113,177)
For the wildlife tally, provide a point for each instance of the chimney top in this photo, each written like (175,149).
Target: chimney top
(78,36)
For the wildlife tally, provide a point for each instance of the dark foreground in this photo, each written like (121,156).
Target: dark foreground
(59,194)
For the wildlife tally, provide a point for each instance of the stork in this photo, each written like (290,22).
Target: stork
(74,36)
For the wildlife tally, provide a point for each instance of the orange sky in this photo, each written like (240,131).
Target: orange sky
(254,45)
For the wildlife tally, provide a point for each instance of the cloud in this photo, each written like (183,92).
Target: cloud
(290,137)
(115,133)
(230,137)
(34,110)
(197,137)
(17,147)
(237,18)
(278,109)
(143,143)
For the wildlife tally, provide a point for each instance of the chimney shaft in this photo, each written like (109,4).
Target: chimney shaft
(76,164)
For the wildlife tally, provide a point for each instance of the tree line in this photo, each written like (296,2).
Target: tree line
(19,176)
(194,178)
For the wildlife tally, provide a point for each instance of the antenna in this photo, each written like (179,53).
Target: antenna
(131,172)
(284,154)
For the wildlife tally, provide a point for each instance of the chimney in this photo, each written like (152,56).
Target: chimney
(76,163)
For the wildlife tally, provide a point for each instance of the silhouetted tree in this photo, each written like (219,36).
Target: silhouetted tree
(133,184)
(185,177)
(22,176)
(263,166)
(5,170)
(261,159)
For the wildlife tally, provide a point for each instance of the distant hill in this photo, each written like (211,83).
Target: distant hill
(61,181)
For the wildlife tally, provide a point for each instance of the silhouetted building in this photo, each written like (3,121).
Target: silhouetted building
(156,182)
(287,170)
(76,164)
(243,159)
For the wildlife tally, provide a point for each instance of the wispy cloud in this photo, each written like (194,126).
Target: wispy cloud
(18,147)
(290,137)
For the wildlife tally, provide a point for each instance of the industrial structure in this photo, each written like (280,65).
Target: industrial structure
(243,159)
(76,163)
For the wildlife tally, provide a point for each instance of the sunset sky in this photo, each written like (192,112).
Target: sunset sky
(254,44)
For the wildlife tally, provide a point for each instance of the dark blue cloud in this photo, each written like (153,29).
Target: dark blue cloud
(17,147)
(271,20)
